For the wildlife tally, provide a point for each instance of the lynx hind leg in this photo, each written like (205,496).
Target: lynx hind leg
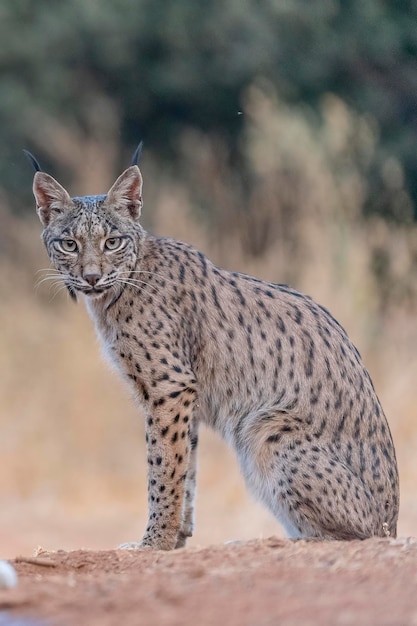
(187,525)
(315,494)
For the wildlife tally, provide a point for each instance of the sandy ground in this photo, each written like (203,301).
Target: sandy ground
(257,583)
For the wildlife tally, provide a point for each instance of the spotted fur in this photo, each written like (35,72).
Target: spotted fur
(265,366)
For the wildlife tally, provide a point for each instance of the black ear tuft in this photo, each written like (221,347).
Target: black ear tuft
(32,159)
(136,155)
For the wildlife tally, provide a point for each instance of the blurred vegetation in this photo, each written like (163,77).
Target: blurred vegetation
(83,78)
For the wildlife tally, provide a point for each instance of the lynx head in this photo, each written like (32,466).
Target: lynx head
(93,241)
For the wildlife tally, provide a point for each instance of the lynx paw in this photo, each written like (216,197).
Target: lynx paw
(182,538)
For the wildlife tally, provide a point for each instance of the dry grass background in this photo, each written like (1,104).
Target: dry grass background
(72,456)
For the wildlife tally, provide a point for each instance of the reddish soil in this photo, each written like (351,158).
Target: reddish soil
(256,583)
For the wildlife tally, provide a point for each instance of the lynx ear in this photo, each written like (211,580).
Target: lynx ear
(125,196)
(51,198)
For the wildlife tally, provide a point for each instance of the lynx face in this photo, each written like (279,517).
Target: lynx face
(93,241)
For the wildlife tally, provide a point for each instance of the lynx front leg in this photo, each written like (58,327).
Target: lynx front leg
(168,437)
(187,525)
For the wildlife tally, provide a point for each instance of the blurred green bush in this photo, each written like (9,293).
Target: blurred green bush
(81,81)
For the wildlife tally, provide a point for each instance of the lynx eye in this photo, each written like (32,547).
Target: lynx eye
(68,245)
(113,243)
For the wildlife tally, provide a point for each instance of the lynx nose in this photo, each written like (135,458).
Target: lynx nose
(92,279)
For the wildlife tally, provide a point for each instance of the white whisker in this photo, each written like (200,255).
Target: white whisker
(161,276)
(48,269)
(57,291)
(126,282)
(136,281)
(46,278)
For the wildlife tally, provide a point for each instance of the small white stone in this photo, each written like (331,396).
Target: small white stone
(8,576)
